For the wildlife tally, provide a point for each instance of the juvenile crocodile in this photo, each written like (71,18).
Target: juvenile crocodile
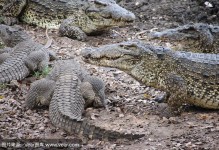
(74,18)
(196,37)
(25,55)
(186,77)
(67,86)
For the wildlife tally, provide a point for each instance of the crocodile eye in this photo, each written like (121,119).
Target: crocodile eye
(122,46)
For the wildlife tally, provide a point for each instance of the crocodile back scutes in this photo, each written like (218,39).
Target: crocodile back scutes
(200,66)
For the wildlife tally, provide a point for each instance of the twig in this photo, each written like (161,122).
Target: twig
(49,41)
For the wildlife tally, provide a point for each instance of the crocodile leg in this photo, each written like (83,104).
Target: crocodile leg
(68,29)
(207,37)
(40,92)
(12,10)
(5,53)
(176,83)
(52,55)
(87,93)
(6,50)
(99,88)
(90,97)
(37,60)
(3,57)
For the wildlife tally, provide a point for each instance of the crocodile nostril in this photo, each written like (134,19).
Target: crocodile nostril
(89,55)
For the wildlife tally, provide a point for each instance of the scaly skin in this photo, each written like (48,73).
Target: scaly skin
(64,87)
(76,17)
(196,37)
(186,77)
(62,67)
(23,58)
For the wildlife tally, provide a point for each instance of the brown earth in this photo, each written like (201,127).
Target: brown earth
(132,105)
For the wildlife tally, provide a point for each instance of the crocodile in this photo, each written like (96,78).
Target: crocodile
(23,54)
(195,37)
(68,89)
(186,77)
(73,18)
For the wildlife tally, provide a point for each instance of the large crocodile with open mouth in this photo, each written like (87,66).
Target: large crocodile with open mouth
(186,77)
(74,18)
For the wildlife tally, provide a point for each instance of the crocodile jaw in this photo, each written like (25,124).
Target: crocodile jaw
(123,55)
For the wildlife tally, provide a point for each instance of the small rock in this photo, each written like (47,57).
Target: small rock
(29,112)
(1,100)
(173,120)
(178,144)
(188,144)
(121,115)
(113,146)
(117,109)
(63,134)
(93,116)
(150,139)
(46,120)
(198,143)
(164,119)
(90,146)
(41,129)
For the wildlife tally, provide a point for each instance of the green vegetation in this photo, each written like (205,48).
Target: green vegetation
(3,86)
(1,44)
(42,74)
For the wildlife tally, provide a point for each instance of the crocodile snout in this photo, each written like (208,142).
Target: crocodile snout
(119,13)
(127,17)
(88,53)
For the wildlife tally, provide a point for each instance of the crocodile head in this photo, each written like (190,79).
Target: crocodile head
(124,55)
(140,60)
(11,36)
(194,37)
(106,13)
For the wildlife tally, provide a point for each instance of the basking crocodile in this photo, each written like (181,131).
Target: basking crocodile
(74,18)
(186,77)
(25,55)
(196,37)
(67,86)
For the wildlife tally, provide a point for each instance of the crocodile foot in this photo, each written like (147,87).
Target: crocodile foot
(164,110)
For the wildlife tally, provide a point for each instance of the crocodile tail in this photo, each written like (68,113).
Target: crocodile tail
(83,127)
(66,108)
(13,71)
(94,132)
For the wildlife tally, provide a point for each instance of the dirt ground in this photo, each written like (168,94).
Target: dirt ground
(132,105)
